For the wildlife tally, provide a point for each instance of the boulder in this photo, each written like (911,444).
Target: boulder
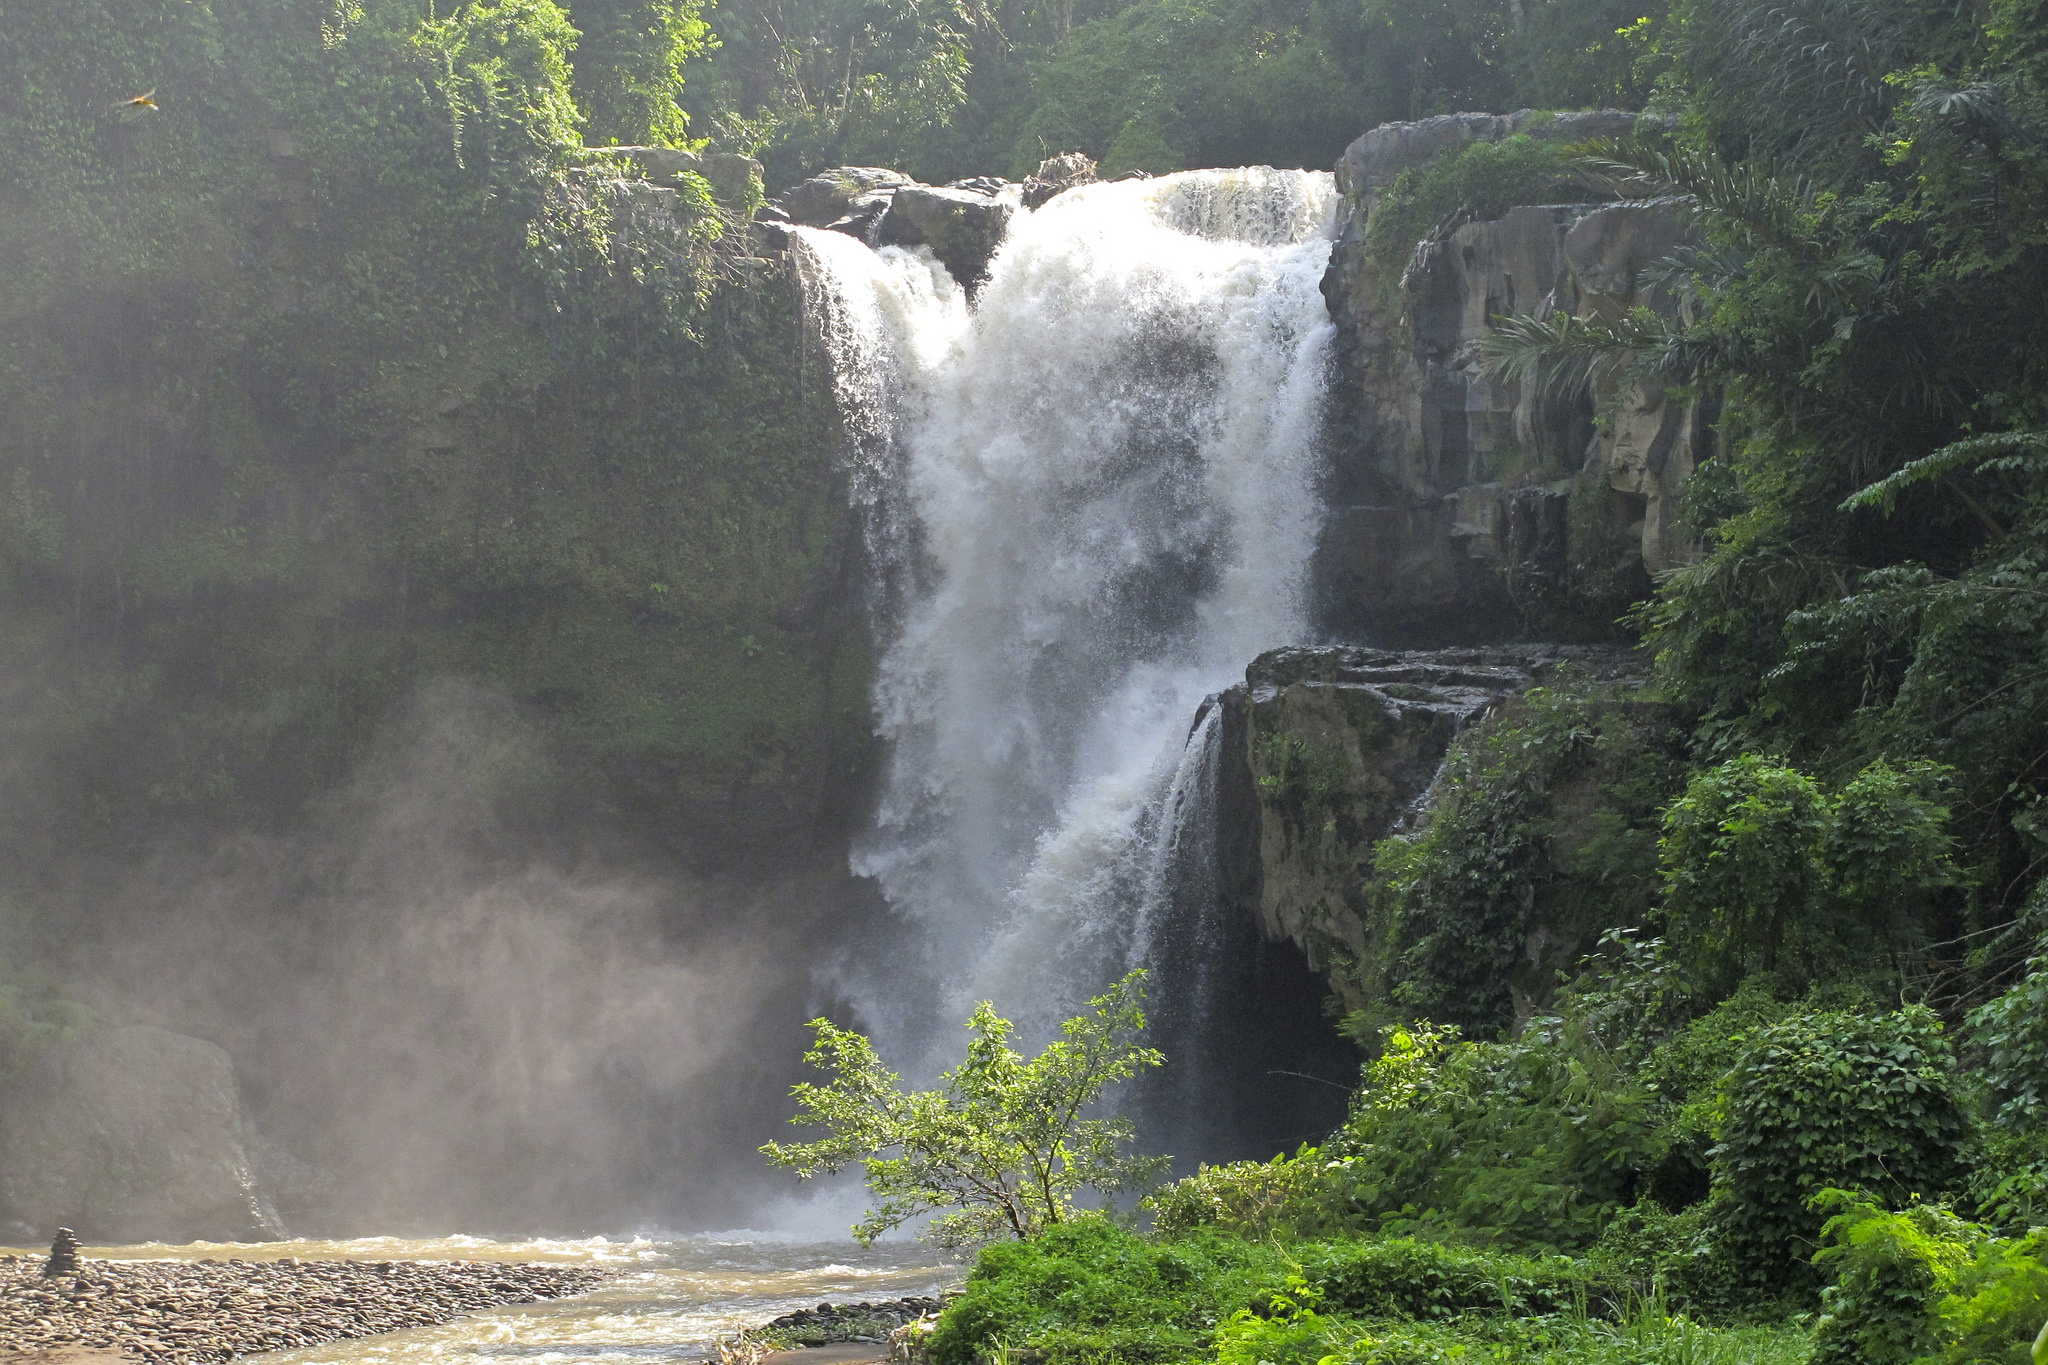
(132,1135)
(735,179)
(962,226)
(662,165)
(846,191)
(1058,173)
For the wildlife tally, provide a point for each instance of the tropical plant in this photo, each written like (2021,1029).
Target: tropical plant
(628,64)
(1831,1099)
(1001,1141)
(1763,871)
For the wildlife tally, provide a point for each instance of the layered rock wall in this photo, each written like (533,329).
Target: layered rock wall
(1467,507)
(1327,751)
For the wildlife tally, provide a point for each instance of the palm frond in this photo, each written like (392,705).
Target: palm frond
(1560,354)
(1998,452)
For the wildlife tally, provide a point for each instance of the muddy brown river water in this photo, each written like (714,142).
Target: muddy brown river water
(665,1299)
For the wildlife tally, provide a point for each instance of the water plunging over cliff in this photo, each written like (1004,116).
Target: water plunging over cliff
(1094,502)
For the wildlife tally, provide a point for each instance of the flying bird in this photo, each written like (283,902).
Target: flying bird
(142,101)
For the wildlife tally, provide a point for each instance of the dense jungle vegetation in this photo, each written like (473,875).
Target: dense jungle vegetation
(1795,1107)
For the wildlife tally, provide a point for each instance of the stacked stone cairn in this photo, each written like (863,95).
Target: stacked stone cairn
(63,1255)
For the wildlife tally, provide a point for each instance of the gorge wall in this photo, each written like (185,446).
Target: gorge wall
(1466,507)
(435,669)
(440,603)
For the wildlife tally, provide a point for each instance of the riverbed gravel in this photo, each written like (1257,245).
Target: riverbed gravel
(194,1312)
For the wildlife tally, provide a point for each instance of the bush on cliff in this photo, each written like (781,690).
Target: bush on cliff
(1545,813)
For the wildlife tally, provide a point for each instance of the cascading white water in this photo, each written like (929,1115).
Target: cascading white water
(1095,499)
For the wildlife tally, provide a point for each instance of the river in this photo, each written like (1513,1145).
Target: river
(670,1298)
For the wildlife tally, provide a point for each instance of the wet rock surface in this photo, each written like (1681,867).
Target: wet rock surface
(962,224)
(830,1323)
(187,1311)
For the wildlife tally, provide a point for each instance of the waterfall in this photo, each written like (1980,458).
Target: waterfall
(1092,501)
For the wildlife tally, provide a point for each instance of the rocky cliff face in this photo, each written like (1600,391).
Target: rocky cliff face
(131,1135)
(1329,750)
(252,497)
(1470,508)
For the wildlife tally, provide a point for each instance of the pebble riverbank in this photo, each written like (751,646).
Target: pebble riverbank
(195,1312)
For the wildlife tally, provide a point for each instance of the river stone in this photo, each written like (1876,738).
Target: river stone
(825,199)
(1056,174)
(963,227)
(131,1135)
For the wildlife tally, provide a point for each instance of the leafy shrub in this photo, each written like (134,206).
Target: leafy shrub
(1922,1285)
(1000,1143)
(1647,1337)
(1831,1099)
(1403,1277)
(1763,871)
(1089,1289)
(1298,1195)
(1887,1265)
(1989,1313)
(1288,1332)
(2010,1035)
(1534,1142)
(1509,841)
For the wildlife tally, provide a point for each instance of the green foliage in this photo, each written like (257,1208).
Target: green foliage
(1299,773)
(1824,1100)
(2009,1036)
(1404,1277)
(1482,180)
(1923,1286)
(812,83)
(1154,85)
(1002,1141)
(1649,1334)
(629,67)
(1765,872)
(1554,799)
(1285,1330)
(1887,1266)
(1530,1143)
(1163,85)
(1297,1196)
(1088,1290)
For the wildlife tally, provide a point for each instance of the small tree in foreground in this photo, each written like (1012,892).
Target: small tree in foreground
(1001,1141)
